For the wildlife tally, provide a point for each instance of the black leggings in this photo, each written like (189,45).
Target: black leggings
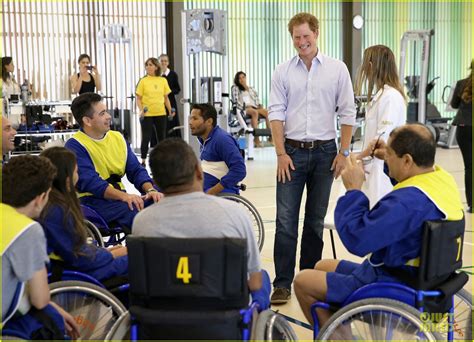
(153,130)
(464,138)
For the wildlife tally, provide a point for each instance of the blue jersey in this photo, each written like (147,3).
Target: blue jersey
(94,261)
(222,161)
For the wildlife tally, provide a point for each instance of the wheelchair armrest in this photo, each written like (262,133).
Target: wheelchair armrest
(455,283)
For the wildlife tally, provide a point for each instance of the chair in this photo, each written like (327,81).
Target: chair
(422,310)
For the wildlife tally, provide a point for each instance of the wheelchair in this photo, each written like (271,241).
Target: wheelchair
(257,222)
(429,306)
(192,289)
(98,229)
(94,309)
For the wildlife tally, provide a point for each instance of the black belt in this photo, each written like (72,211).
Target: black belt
(307,145)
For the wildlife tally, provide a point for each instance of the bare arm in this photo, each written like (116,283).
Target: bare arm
(38,289)
(139,104)
(255,281)
(95,74)
(168,105)
(76,83)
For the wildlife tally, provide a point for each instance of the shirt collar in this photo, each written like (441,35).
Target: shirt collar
(167,71)
(319,57)
(209,137)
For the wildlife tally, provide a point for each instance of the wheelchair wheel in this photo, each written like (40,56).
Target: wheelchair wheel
(93,234)
(273,327)
(462,316)
(94,309)
(257,221)
(378,319)
(120,329)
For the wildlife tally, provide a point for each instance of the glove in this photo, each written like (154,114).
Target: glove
(262,298)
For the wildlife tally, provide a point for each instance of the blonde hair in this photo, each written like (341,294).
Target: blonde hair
(303,18)
(378,69)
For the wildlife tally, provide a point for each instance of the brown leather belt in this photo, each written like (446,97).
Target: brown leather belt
(307,145)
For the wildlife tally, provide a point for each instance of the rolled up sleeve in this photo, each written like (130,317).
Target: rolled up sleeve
(278,97)
(345,99)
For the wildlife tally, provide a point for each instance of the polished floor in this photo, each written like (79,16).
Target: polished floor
(261,189)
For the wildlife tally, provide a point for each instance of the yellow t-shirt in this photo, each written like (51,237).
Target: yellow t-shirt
(153,90)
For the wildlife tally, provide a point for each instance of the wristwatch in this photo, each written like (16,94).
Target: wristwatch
(345,152)
(151,190)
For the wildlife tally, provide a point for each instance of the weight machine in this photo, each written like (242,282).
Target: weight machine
(418,87)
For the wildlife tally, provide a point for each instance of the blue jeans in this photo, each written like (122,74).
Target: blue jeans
(313,169)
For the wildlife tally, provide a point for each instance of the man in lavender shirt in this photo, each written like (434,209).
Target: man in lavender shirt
(308,92)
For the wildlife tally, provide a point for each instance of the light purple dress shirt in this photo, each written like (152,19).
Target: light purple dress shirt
(307,100)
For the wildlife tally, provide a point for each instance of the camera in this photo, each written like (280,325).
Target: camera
(89,67)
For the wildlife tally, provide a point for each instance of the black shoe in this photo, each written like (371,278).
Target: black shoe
(143,164)
(280,295)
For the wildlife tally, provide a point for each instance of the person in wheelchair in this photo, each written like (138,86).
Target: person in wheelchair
(103,158)
(26,308)
(187,212)
(63,223)
(221,160)
(247,99)
(390,234)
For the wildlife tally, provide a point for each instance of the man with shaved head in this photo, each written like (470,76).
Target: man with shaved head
(391,233)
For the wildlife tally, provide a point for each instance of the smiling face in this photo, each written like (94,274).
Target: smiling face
(99,123)
(304,41)
(164,62)
(8,136)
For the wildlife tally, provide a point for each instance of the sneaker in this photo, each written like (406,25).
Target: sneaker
(280,295)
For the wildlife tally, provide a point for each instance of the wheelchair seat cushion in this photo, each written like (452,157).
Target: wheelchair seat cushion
(187,325)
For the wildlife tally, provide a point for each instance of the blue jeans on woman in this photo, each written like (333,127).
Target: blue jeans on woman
(313,170)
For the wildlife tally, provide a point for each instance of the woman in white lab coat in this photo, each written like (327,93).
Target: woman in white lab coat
(385,111)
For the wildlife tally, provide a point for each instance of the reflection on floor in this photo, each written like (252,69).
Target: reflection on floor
(261,180)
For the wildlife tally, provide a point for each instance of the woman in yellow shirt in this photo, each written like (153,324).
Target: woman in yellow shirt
(152,97)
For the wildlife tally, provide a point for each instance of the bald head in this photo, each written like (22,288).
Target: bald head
(416,140)
(8,136)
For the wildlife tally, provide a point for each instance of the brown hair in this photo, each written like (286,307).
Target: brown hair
(24,178)
(63,194)
(303,18)
(378,68)
(156,63)
(467,91)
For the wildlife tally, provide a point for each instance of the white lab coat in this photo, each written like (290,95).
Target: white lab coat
(386,111)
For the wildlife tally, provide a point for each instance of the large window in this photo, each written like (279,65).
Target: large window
(451,45)
(258,38)
(46,37)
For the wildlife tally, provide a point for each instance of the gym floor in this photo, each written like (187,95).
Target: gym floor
(261,190)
